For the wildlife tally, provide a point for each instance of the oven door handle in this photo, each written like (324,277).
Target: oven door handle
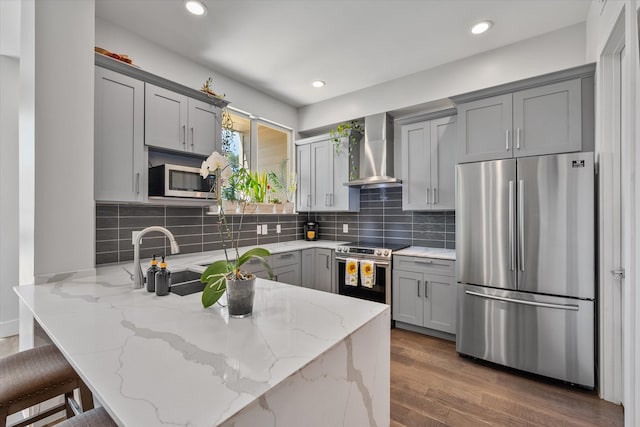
(377,263)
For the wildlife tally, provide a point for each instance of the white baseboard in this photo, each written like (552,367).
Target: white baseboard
(9,328)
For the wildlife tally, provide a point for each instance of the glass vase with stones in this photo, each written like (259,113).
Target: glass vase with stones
(240,295)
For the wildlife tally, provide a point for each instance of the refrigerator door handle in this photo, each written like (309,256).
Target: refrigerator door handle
(521,224)
(570,307)
(512,248)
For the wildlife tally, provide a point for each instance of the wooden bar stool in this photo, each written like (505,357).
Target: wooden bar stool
(94,418)
(34,376)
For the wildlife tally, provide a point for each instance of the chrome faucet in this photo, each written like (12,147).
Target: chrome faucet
(138,278)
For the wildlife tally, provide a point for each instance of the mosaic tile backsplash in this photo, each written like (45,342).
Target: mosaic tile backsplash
(380,219)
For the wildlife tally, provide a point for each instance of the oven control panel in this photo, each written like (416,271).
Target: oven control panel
(372,252)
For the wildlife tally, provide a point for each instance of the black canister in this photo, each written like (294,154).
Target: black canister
(310,230)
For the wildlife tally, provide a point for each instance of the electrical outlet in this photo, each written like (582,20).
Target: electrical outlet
(259,229)
(265,229)
(278,229)
(345,228)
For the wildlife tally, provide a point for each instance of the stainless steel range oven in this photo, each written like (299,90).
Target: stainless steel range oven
(380,256)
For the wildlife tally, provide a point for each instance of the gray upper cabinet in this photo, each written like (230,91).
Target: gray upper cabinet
(540,120)
(118,137)
(204,127)
(165,118)
(322,172)
(176,122)
(428,164)
(485,129)
(547,119)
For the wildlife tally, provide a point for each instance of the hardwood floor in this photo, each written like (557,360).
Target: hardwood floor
(432,386)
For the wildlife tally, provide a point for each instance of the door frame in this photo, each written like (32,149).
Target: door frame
(609,144)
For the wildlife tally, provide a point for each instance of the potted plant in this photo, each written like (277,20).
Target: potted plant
(227,275)
(284,187)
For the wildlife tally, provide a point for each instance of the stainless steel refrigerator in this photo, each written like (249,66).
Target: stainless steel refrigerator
(525,248)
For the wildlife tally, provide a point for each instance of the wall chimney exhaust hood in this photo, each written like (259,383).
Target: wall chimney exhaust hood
(376,154)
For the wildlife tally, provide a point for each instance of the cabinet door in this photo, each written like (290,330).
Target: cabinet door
(303,170)
(289,274)
(343,198)
(440,303)
(204,131)
(485,129)
(321,175)
(118,137)
(547,119)
(307,272)
(444,138)
(407,301)
(323,271)
(416,166)
(165,120)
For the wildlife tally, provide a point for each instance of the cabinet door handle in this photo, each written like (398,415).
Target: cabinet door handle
(506,137)
(518,139)
(418,287)
(425,288)
(331,199)
(138,183)
(435,190)
(423,262)
(192,137)
(326,198)
(327,258)
(283,256)
(428,192)
(184,136)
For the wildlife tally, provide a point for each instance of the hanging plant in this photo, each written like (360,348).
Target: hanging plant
(353,132)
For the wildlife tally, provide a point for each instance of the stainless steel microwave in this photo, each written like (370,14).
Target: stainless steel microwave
(180,181)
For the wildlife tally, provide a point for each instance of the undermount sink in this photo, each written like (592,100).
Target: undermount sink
(186,282)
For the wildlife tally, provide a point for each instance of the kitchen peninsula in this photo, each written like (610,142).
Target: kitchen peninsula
(305,357)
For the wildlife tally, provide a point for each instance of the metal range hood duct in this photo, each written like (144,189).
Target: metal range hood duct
(376,154)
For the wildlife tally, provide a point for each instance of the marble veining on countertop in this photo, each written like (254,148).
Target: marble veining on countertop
(166,360)
(420,251)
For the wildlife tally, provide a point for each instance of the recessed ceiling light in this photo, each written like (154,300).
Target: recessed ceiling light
(196,7)
(481,27)
(318,83)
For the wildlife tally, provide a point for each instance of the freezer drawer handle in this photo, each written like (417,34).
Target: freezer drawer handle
(519,301)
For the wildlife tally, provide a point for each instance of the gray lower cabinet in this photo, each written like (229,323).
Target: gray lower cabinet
(541,120)
(285,267)
(428,164)
(424,293)
(118,137)
(317,269)
(176,122)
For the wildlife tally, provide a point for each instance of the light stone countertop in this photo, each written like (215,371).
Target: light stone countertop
(166,360)
(419,251)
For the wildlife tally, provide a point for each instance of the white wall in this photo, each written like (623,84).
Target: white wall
(57,218)
(170,65)
(9,107)
(550,52)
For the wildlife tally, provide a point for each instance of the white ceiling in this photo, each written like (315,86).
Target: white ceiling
(280,46)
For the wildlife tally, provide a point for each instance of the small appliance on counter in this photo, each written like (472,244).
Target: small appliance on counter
(310,231)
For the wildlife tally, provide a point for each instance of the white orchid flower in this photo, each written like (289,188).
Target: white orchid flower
(213,162)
